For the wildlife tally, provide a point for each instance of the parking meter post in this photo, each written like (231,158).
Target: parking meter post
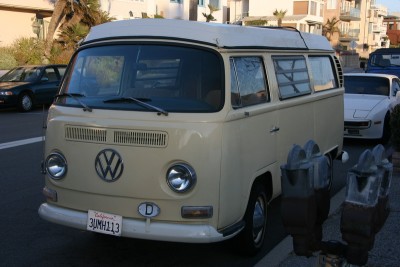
(332,254)
(321,187)
(385,169)
(298,206)
(358,221)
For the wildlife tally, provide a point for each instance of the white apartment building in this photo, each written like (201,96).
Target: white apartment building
(169,9)
(304,15)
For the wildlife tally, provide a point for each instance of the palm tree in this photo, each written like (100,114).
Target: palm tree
(68,13)
(71,35)
(330,28)
(210,17)
(279,15)
(56,18)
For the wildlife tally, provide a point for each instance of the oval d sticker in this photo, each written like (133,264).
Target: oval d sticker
(148,209)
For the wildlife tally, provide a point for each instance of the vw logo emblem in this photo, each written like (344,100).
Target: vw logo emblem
(109,165)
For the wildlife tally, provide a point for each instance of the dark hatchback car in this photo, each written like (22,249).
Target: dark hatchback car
(26,86)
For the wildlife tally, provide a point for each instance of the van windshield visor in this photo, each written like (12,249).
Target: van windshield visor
(151,78)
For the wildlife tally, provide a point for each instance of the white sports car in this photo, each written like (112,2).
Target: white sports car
(368,100)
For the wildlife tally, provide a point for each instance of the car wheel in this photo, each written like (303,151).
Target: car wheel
(386,130)
(330,170)
(25,102)
(252,236)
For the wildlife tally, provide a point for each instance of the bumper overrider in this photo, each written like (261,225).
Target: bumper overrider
(141,229)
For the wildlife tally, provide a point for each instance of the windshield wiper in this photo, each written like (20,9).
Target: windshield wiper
(75,97)
(137,101)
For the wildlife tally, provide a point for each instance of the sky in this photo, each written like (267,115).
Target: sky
(392,5)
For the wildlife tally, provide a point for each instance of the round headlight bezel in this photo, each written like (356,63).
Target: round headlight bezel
(181,178)
(56,171)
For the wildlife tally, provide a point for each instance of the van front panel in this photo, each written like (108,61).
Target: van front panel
(145,161)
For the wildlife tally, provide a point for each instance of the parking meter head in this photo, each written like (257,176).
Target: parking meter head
(363,181)
(385,168)
(320,164)
(297,174)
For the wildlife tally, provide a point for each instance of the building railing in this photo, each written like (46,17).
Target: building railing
(350,12)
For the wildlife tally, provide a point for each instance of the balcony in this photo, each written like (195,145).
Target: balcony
(379,29)
(352,14)
(350,35)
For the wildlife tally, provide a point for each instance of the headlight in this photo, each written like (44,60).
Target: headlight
(6,93)
(181,177)
(56,165)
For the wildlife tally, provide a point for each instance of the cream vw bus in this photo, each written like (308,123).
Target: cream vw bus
(175,130)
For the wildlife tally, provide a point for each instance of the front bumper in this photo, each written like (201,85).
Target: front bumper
(137,228)
(362,129)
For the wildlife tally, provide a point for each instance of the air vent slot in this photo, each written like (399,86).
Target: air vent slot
(85,134)
(340,71)
(141,138)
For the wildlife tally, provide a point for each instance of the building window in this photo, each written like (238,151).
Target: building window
(331,4)
(201,3)
(214,3)
(313,8)
(176,1)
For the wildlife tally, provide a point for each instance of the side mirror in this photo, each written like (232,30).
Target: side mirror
(398,95)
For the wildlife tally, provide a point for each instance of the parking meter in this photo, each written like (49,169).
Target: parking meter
(385,169)
(321,187)
(298,207)
(358,221)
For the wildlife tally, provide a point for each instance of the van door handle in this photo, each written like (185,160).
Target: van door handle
(274,129)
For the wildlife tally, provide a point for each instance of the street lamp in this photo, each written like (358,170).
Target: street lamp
(36,28)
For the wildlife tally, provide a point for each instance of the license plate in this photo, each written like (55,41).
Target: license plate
(105,223)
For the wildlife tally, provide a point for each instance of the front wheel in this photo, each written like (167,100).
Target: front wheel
(253,234)
(25,102)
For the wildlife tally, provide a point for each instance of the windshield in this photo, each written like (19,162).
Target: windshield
(146,78)
(366,85)
(385,60)
(21,74)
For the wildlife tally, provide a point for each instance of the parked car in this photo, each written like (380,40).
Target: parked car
(384,60)
(26,86)
(368,100)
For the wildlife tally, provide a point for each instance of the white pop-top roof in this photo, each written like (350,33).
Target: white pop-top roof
(222,35)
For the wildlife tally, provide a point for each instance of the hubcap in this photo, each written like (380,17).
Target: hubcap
(259,216)
(26,102)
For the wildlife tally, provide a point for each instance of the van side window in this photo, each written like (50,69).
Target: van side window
(322,72)
(248,81)
(292,76)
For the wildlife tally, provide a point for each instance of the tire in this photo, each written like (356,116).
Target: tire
(386,130)
(25,102)
(252,236)
(330,170)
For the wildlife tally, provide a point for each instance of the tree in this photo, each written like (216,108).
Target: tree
(330,27)
(279,15)
(67,14)
(210,17)
(56,18)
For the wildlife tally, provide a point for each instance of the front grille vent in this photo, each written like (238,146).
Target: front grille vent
(140,138)
(116,136)
(85,134)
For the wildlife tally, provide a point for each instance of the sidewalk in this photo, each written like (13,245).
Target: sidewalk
(386,251)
